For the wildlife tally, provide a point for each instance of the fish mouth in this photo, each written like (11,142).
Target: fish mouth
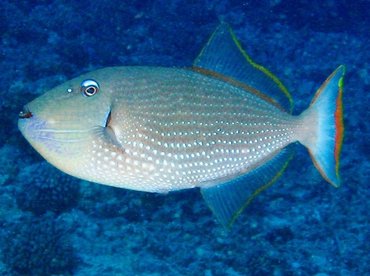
(25,113)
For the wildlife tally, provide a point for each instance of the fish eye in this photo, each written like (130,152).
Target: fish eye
(89,87)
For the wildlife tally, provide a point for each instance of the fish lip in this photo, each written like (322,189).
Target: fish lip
(25,113)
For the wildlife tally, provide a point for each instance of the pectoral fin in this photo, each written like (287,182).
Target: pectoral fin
(106,137)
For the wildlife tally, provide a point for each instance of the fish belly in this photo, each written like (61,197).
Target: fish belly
(181,129)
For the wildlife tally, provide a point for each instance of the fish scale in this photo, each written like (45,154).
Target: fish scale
(184,135)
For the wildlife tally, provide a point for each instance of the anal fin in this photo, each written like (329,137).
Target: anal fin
(228,200)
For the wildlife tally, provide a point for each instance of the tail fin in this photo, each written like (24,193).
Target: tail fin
(325,115)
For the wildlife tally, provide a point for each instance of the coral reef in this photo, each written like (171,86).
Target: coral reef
(44,188)
(36,247)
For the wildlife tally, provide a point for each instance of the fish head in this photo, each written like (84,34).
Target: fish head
(62,123)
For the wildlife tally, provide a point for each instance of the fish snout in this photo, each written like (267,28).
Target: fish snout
(25,113)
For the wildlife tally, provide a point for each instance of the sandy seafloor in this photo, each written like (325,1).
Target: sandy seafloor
(53,224)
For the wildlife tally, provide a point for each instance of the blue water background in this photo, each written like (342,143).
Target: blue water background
(53,224)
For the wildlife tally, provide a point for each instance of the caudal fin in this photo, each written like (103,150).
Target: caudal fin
(323,122)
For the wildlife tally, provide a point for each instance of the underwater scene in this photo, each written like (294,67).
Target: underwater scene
(231,137)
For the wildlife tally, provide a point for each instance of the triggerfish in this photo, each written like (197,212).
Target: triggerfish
(224,125)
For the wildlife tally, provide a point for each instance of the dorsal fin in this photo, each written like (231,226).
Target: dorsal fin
(223,54)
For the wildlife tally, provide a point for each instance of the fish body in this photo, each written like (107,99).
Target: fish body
(159,129)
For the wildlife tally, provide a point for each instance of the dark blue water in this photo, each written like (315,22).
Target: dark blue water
(53,224)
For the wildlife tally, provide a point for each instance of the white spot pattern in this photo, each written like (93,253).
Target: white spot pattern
(179,129)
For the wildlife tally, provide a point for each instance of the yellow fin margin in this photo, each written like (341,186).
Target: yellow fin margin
(264,70)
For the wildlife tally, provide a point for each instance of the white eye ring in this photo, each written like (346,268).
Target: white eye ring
(89,87)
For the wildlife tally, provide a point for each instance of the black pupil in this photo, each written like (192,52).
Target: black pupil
(90,90)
